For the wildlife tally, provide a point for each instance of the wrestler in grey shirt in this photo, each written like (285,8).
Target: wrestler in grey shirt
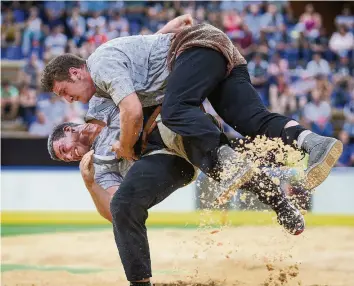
(109,171)
(131,64)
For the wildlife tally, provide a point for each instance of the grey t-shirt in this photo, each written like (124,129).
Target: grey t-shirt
(131,64)
(109,171)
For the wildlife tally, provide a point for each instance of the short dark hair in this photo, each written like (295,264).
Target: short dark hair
(57,134)
(58,70)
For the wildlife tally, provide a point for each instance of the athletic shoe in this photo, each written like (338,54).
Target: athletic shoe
(290,218)
(323,155)
(236,170)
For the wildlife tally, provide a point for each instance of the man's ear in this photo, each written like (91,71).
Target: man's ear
(75,73)
(67,129)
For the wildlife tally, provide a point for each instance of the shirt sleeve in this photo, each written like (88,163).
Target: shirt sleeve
(113,77)
(100,108)
(108,179)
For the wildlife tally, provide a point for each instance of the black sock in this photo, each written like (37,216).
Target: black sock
(140,283)
(290,134)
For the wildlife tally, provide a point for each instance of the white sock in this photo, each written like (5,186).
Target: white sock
(301,138)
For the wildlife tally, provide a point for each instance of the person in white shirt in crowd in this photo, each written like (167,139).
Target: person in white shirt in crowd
(318,65)
(32,70)
(55,43)
(76,21)
(97,20)
(50,112)
(346,18)
(342,41)
(318,114)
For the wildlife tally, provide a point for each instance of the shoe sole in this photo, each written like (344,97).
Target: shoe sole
(225,196)
(320,171)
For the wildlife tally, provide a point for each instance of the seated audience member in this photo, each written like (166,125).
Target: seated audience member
(318,66)
(318,114)
(9,101)
(50,112)
(349,117)
(282,100)
(342,41)
(347,157)
(27,104)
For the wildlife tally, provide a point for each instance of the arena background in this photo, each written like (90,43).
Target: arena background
(50,231)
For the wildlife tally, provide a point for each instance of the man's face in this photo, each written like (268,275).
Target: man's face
(79,89)
(73,146)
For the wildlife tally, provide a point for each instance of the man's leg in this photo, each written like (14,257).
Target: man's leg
(149,181)
(238,104)
(196,73)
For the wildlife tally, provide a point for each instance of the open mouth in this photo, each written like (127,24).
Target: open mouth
(77,153)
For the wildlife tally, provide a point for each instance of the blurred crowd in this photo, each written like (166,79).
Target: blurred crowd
(297,68)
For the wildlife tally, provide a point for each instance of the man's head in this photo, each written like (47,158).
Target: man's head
(68,77)
(316,57)
(70,141)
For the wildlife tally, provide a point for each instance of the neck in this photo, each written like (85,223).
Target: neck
(96,130)
(89,132)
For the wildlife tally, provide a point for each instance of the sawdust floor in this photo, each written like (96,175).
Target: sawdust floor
(232,256)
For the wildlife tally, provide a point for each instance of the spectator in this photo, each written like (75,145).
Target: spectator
(344,70)
(33,21)
(10,32)
(278,65)
(71,48)
(50,112)
(118,23)
(318,66)
(27,104)
(153,23)
(288,14)
(263,45)
(320,43)
(77,37)
(342,41)
(282,100)
(324,86)
(97,20)
(271,21)
(76,23)
(231,22)
(98,38)
(214,19)
(282,40)
(253,20)
(349,117)
(245,42)
(9,101)
(54,11)
(18,13)
(347,157)
(346,18)
(303,47)
(32,70)
(200,14)
(55,43)
(318,114)
(310,22)
(258,73)
(340,96)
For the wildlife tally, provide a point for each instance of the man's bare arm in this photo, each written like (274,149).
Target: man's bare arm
(101,198)
(131,123)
